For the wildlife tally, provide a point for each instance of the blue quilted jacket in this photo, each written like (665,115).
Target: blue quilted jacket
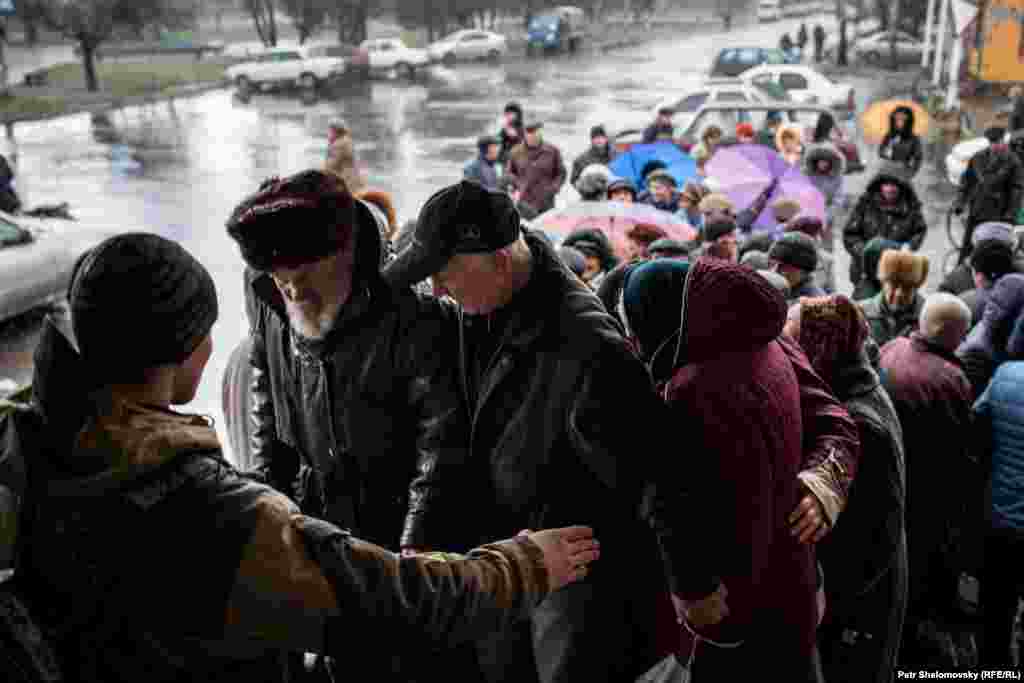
(1002,408)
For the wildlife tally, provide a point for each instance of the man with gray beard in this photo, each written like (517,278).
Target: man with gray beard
(353,382)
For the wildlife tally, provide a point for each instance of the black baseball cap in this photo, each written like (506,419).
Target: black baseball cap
(464,218)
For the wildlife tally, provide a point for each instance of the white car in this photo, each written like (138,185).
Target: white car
(716,91)
(286,66)
(467,46)
(803,84)
(391,54)
(876,48)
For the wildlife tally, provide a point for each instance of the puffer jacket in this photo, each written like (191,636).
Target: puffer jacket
(746,470)
(887,324)
(903,222)
(1000,415)
(538,172)
(550,385)
(997,335)
(123,495)
(340,424)
(992,186)
(903,149)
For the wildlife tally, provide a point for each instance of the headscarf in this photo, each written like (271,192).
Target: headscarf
(832,333)
(652,297)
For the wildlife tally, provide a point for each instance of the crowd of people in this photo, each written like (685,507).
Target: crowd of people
(695,449)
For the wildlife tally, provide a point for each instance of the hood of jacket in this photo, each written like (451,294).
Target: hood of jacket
(909,129)
(908,196)
(824,151)
(728,308)
(1001,333)
(854,378)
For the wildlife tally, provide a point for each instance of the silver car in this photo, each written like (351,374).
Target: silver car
(36,259)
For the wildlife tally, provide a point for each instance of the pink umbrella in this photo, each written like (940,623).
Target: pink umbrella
(614,219)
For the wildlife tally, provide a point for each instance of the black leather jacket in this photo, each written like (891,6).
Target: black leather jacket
(340,425)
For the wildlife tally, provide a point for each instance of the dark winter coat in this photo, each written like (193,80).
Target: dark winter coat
(594,155)
(933,400)
(887,324)
(869,595)
(657,131)
(482,171)
(538,172)
(903,148)
(733,365)
(127,496)
(1017,115)
(986,345)
(992,186)
(340,423)
(552,389)
(901,222)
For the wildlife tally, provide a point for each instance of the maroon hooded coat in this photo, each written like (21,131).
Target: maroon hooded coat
(761,409)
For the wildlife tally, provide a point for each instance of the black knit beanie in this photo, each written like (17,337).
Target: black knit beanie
(139,301)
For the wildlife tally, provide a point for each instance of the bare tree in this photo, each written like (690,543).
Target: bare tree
(264,16)
(307,15)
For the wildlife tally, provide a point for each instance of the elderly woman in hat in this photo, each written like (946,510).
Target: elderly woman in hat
(866,598)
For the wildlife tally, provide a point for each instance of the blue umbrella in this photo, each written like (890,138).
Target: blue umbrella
(631,164)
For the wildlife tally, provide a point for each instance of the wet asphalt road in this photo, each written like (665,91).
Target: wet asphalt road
(178,168)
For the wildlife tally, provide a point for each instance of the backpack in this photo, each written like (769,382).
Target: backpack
(26,653)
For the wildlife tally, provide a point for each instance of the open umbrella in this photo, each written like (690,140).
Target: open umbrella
(614,219)
(631,164)
(874,122)
(744,171)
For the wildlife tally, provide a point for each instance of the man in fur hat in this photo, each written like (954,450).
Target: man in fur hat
(795,257)
(352,379)
(894,311)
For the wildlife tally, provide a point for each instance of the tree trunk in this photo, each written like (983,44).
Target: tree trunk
(92,83)
(272,22)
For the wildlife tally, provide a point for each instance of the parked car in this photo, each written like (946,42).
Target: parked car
(243,50)
(733,61)
(286,66)
(560,30)
(391,55)
(717,90)
(876,48)
(769,10)
(467,46)
(37,261)
(357,60)
(804,84)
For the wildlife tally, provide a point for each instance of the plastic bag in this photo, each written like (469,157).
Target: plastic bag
(668,670)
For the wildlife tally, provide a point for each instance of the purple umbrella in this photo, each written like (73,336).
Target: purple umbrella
(744,171)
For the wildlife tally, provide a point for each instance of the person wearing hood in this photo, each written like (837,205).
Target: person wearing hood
(592,183)
(795,257)
(662,192)
(901,145)
(485,169)
(869,285)
(598,253)
(812,226)
(511,134)
(933,399)
(961,279)
(125,490)
(622,190)
(888,208)
(985,346)
(789,144)
(895,310)
(536,170)
(600,152)
(825,166)
(860,635)
(662,128)
(327,333)
(991,188)
(744,582)
(554,393)
(341,156)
